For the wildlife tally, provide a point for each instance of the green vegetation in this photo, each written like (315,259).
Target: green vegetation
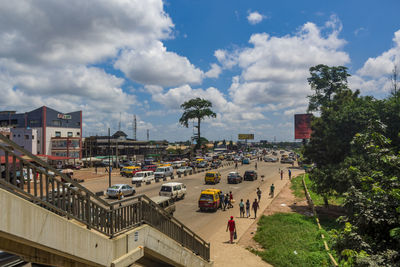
(298,191)
(291,239)
(355,146)
(297,187)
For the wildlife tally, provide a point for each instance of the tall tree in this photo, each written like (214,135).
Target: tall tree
(198,109)
(326,82)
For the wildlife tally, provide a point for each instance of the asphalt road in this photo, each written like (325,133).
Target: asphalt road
(206,223)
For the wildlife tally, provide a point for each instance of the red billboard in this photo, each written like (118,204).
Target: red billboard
(302,126)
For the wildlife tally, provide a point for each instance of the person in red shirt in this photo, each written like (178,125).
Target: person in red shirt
(232,228)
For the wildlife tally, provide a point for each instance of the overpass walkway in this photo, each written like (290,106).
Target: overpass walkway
(48,218)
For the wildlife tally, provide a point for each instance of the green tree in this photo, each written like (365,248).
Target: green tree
(326,82)
(197,109)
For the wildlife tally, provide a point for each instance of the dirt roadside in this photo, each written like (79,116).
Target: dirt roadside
(237,254)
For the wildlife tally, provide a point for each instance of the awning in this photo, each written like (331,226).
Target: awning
(50,157)
(10,158)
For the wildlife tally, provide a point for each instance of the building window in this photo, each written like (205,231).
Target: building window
(26,137)
(78,134)
(34,122)
(33,137)
(78,123)
(58,134)
(14,135)
(19,135)
(56,123)
(69,134)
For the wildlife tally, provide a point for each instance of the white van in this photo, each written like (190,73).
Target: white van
(173,190)
(143,176)
(162,172)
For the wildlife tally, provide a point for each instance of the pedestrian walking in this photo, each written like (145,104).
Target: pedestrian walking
(232,229)
(271,190)
(241,206)
(248,208)
(222,199)
(258,194)
(255,207)
(281,174)
(236,165)
(290,174)
(255,166)
(226,199)
(230,199)
(95,169)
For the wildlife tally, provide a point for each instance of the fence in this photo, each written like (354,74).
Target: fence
(31,178)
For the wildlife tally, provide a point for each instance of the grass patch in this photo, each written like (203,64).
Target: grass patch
(297,187)
(290,239)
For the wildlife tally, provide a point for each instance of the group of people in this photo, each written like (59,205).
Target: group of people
(226,200)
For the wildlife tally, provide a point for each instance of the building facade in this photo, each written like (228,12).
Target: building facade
(52,133)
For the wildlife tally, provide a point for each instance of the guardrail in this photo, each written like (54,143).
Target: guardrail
(27,176)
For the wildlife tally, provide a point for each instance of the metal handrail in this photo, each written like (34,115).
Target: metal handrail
(111,219)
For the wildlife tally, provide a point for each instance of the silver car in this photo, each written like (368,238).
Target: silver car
(126,190)
(184,170)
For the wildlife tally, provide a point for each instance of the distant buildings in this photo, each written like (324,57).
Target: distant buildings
(45,131)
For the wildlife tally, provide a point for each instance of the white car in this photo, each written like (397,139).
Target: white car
(173,190)
(184,169)
(126,190)
(142,177)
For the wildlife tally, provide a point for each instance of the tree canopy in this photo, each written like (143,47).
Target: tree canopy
(355,147)
(197,109)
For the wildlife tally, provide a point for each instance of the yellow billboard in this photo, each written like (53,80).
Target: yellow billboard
(246,137)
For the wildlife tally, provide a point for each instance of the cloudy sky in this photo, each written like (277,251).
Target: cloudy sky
(115,58)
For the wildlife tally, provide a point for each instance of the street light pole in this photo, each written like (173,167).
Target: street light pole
(109,160)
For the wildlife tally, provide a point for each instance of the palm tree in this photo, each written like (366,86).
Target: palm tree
(196,108)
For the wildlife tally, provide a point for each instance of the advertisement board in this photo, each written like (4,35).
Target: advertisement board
(246,137)
(302,126)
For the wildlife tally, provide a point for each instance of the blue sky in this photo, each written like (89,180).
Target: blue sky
(113,59)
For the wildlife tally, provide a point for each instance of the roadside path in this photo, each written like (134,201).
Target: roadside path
(225,254)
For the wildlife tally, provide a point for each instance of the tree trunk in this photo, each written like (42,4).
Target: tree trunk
(198,133)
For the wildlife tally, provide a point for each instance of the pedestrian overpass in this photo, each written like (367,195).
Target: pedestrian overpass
(48,218)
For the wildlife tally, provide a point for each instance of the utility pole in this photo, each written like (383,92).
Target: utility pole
(109,160)
(148,135)
(134,127)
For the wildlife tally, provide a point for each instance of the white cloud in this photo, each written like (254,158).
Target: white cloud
(156,66)
(214,72)
(255,17)
(275,69)
(51,52)
(374,76)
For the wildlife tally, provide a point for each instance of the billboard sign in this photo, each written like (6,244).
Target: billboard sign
(302,126)
(246,137)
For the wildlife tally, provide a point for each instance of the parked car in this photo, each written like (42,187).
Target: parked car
(234,178)
(129,171)
(215,164)
(213,177)
(184,170)
(287,160)
(250,175)
(270,159)
(162,172)
(246,161)
(142,177)
(127,190)
(209,199)
(202,164)
(173,190)
(149,168)
(166,203)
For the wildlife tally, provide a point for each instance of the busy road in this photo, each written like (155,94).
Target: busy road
(206,223)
